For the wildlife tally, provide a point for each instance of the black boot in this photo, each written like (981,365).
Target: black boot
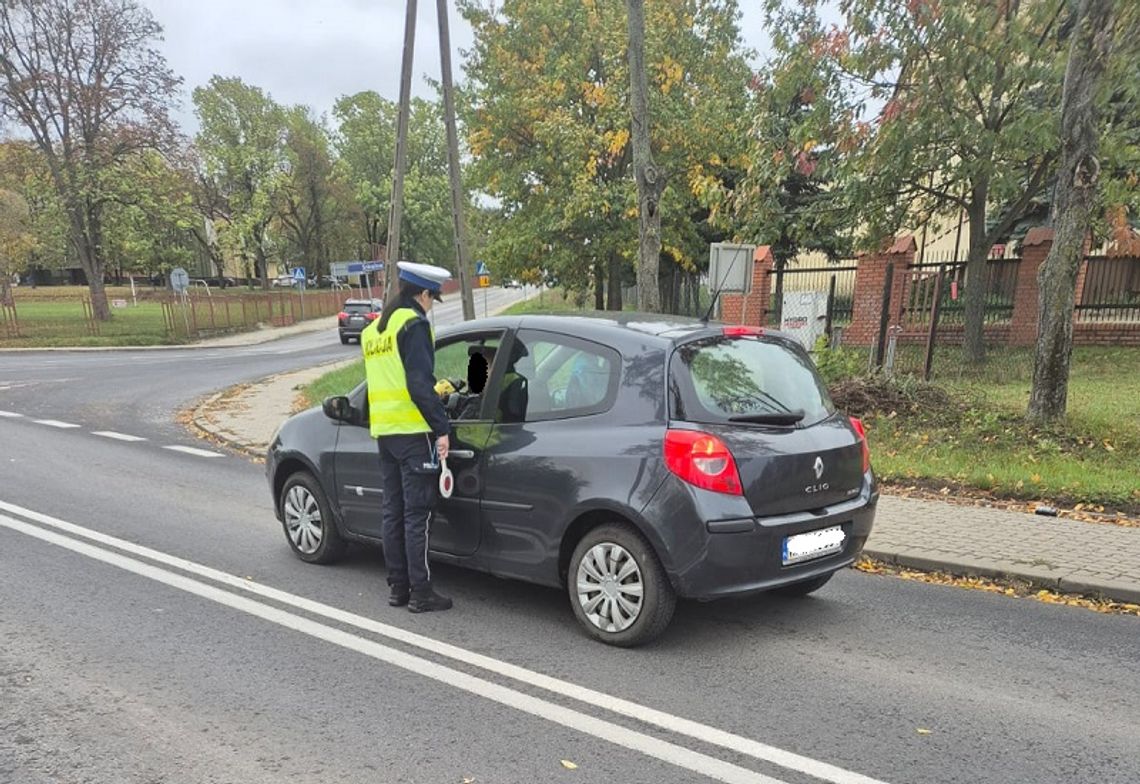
(399,595)
(424,599)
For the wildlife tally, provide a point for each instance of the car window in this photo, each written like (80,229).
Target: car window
(556,377)
(714,379)
(357,307)
(470,360)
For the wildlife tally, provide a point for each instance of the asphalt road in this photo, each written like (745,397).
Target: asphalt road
(156,628)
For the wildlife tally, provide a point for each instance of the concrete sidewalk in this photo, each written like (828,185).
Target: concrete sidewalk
(1057,553)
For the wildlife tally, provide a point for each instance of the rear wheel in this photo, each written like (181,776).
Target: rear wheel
(619,592)
(344,339)
(308,521)
(805,587)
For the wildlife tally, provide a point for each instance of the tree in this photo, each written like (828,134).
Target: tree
(241,141)
(24,171)
(650,180)
(547,111)
(16,240)
(1074,200)
(365,141)
(85,81)
(149,221)
(307,205)
(967,92)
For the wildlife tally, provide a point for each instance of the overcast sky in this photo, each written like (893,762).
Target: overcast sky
(313,51)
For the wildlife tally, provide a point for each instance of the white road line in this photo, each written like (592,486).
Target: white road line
(648,745)
(189,450)
(117,436)
(10,414)
(627,708)
(55,423)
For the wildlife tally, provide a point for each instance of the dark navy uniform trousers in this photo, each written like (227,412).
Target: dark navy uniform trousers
(409,475)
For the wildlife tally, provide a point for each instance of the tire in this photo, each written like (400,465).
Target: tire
(800,589)
(344,340)
(613,560)
(313,538)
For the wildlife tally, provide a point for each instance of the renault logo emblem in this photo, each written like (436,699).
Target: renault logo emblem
(818,467)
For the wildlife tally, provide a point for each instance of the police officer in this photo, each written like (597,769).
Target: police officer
(411,426)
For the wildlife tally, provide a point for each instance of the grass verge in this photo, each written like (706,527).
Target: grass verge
(969,431)
(337,382)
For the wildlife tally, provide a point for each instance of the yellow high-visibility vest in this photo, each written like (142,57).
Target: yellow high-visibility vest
(391,411)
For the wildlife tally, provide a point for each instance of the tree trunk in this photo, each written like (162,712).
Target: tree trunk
(781,267)
(84,236)
(1073,203)
(613,290)
(650,179)
(974,297)
(599,285)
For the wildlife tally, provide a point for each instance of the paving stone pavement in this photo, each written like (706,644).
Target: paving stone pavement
(1066,555)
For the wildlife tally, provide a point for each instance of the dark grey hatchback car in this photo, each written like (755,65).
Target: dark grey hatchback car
(631,460)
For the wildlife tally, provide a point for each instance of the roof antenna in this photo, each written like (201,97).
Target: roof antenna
(720,286)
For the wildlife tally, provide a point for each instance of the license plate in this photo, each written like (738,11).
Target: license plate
(813,544)
(357,319)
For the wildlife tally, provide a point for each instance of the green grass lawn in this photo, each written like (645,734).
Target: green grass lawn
(982,440)
(54,316)
(337,382)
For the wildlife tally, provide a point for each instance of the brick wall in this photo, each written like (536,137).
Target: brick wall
(869,283)
(752,308)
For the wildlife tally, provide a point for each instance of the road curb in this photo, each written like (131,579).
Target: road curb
(257,337)
(1038,576)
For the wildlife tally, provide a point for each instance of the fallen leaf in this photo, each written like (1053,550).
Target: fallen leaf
(468,780)
(569,765)
(923,731)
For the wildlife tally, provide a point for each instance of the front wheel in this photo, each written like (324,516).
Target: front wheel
(308,521)
(619,592)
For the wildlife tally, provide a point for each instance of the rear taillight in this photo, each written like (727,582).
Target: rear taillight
(862,431)
(371,316)
(739,330)
(702,460)
(341,316)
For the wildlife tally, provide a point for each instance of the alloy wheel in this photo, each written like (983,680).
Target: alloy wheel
(610,587)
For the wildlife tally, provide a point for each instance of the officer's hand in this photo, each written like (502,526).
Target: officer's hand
(442,446)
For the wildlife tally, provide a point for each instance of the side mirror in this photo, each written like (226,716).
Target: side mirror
(338,409)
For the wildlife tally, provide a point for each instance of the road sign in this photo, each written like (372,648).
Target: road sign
(346,268)
(481,269)
(484,281)
(299,274)
(179,279)
(730,267)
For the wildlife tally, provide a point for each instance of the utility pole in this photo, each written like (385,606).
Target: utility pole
(396,210)
(457,199)
(650,179)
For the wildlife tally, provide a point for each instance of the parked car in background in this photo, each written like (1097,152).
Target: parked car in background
(630,460)
(355,316)
(283,282)
(512,283)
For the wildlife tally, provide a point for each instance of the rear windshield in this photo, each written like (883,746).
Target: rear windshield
(357,307)
(718,378)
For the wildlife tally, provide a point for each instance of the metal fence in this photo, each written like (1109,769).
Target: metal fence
(192,317)
(9,322)
(805,288)
(1111,290)
(999,281)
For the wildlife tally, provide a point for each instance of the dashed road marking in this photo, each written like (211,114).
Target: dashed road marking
(55,423)
(10,414)
(189,450)
(117,436)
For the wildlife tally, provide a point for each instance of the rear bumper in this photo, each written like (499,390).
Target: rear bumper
(737,556)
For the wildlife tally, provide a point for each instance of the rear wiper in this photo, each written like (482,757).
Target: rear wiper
(783,418)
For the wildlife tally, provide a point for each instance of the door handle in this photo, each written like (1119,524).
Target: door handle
(462,454)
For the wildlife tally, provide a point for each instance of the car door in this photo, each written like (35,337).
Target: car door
(455,528)
(545,448)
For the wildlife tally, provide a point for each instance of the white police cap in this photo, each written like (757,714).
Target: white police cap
(426,276)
